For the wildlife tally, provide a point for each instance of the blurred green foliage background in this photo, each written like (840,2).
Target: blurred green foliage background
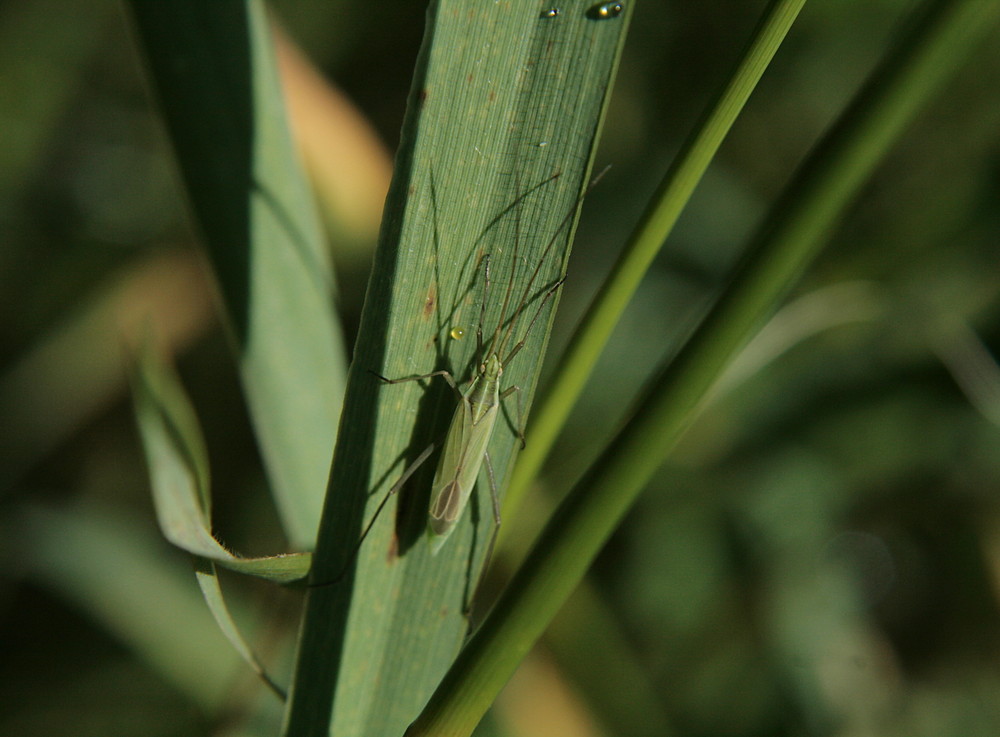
(821,557)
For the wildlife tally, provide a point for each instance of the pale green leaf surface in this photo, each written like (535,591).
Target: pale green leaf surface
(212,67)
(504,98)
(178,466)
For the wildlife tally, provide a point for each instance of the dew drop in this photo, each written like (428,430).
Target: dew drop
(604,11)
(549,13)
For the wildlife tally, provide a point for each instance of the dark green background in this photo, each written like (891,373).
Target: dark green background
(821,557)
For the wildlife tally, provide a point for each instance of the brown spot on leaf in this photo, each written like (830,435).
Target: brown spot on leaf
(430,303)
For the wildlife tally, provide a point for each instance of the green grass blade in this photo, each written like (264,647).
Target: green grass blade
(645,242)
(503,98)
(178,468)
(790,237)
(211,589)
(212,67)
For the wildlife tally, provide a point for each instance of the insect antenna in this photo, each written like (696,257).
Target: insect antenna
(538,268)
(496,346)
(480,356)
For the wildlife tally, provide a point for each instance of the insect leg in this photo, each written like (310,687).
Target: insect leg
(400,482)
(495,499)
(446,375)
(520,415)
(548,295)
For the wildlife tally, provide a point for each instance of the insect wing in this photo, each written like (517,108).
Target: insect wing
(461,460)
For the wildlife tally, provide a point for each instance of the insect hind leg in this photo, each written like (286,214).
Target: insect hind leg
(495,501)
(394,489)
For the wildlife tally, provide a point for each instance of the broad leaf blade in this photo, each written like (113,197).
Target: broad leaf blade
(504,98)
(212,67)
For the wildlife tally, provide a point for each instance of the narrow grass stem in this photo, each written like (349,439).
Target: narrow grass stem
(645,242)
